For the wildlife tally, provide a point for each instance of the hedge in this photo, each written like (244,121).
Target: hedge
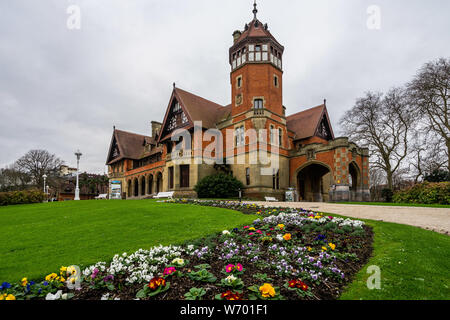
(425,193)
(220,186)
(21,197)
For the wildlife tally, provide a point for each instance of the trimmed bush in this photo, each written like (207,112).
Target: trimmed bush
(425,193)
(21,197)
(387,194)
(218,186)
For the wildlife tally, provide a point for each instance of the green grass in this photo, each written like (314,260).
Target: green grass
(38,239)
(390,204)
(414,265)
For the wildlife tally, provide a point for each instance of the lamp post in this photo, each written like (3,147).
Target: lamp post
(78,154)
(45,177)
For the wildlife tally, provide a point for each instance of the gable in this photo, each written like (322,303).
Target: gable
(176,118)
(310,123)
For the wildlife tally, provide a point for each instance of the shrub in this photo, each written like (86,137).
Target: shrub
(387,194)
(425,193)
(21,197)
(218,186)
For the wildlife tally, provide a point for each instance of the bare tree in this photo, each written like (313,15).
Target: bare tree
(381,123)
(39,162)
(429,91)
(13,179)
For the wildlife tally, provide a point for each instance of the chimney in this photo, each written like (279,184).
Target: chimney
(156,128)
(236,35)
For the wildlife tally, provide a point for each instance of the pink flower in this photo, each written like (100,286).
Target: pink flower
(239,267)
(246,227)
(94,273)
(259,231)
(169,271)
(229,268)
(251,233)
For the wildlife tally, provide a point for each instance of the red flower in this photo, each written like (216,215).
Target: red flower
(155,283)
(230,295)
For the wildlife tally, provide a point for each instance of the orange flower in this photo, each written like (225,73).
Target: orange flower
(267,291)
(287,236)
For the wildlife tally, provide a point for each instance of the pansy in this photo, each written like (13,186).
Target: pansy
(178,261)
(332,246)
(24,282)
(5,285)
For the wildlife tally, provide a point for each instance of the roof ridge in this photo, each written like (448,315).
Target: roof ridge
(300,112)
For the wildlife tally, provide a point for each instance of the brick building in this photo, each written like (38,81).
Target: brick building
(309,157)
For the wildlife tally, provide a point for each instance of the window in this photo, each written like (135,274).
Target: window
(184,176)
(171,178)
(276,179)
(247,175)
(258,104)
(280,137)
(239,136)
(275,81)
(258,48)
(272,137)
(239,82)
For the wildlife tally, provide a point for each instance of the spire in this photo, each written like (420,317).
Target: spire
(255,10)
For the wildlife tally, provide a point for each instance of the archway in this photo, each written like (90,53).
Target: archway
(130,188)
(136,187)
(313,183)
(150,184)
(159,180)
(354,179)
(143,181)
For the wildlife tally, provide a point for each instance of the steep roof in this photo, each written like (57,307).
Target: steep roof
(196,109)
(256,29)
(200,109)
(306,123)
(131,146)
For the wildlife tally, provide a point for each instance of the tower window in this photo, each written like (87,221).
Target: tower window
(275,81)
(247,176)
(239,82)
(280,137)
(258,48)
(258,104)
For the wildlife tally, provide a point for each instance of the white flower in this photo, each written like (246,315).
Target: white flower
(56,296)
(226,232)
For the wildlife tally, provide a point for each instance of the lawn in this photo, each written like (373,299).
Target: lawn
(390,204)
(414,265)
(37,239)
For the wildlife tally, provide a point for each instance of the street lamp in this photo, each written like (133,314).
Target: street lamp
(78,154)
(45,177)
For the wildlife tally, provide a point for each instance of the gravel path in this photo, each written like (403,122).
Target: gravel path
(435,219)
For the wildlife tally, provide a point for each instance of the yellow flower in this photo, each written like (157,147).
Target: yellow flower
(24,282)
(71,270)
(51,277)
(10,297)
(287,236)
(252,229)
(332,246)
(267,291)
(324,249)
(3,296)
(62,270)
(309,249)
(281,226)
(62,279)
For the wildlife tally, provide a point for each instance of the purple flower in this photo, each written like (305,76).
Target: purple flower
(109,278)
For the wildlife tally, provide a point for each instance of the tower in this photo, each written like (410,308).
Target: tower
(256,60)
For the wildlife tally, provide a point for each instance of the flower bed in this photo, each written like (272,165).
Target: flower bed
(288,254)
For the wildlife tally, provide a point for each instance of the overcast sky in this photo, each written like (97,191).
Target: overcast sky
(63,89)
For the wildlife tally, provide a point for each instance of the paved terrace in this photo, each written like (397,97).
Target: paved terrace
(435,219)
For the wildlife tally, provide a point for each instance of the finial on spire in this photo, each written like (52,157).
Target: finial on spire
(174,85)
(255,10)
